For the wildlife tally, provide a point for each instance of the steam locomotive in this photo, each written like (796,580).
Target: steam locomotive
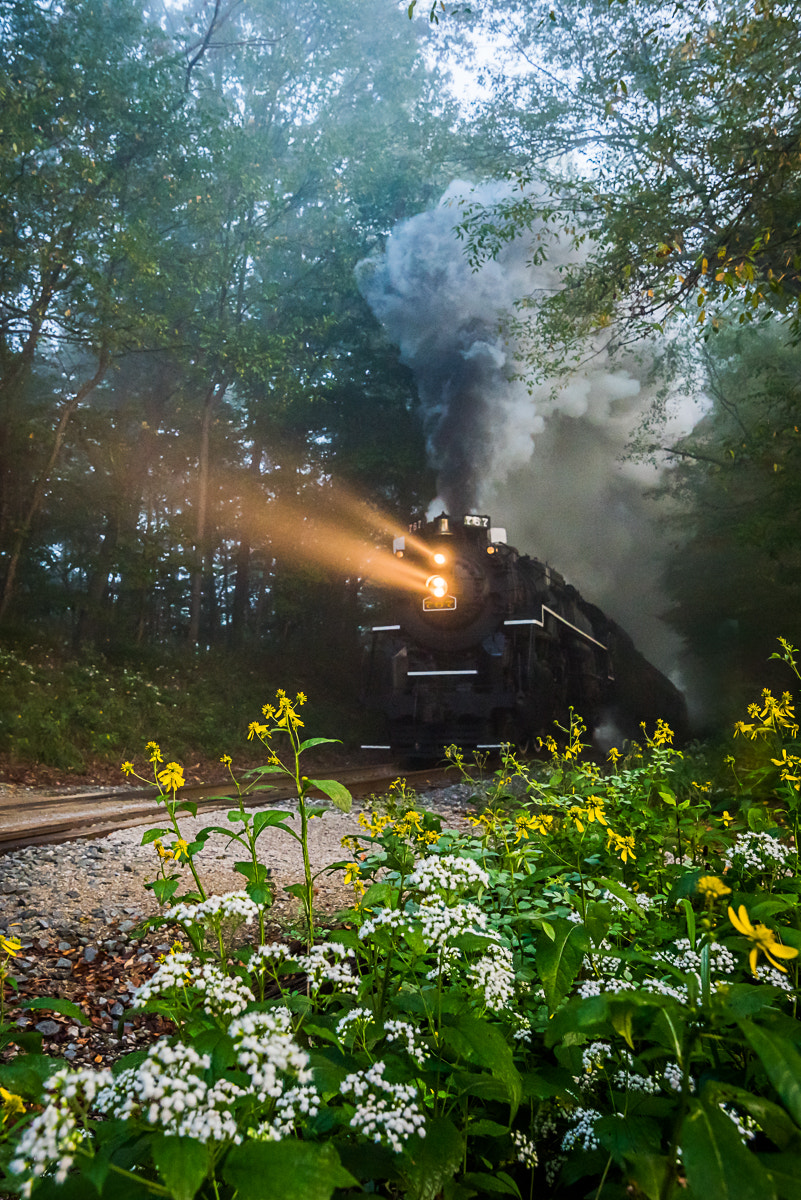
(487,646)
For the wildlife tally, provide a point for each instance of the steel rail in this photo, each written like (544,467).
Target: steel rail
(46,820)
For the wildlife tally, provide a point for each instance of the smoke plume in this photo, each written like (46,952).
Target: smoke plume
(546,463)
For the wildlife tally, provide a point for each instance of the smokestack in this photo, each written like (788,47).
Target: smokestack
(546,461)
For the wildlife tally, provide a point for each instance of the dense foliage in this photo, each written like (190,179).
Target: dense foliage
(593,993)
(182,343)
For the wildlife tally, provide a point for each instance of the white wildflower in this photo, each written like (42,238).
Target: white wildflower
(387,1113)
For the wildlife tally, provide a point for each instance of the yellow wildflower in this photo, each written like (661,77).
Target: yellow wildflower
(226,760)
(578,816)
(12,1104)
(153,749)
(595,810)
(712,888)
(10,946)
(180,847)
(256,730)
(726,818)
(172,777)
(301,698)
(763,940)
(543,823)
(162,853)
(127,768)
(622,845)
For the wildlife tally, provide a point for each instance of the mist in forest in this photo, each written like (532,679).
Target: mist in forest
(547,462)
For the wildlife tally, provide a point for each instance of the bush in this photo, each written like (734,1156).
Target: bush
(593,994)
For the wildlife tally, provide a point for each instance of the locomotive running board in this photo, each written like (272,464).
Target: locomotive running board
(418,673)
(557,617)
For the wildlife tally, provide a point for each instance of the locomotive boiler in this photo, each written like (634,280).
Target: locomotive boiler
(485,646)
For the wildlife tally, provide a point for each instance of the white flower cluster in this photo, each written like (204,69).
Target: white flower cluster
(594,1056)
(744,1123)
(641,899)
(270,952)
(403,1031)
(681,955)
(758,852)
(596,987)
(356,1016)
(341,972)
(672,1077)
(266,1048)
(385,918)
(388,1113)
(53,1134)
(582,1133)
(631,1081)
(447,873)
(223,995)
(494,977)
(526,1150)
(167,1090)
(777,979)
(230,906)
(438,923)
(174,972)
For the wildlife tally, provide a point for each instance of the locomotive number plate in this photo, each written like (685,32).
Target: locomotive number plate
(437,603)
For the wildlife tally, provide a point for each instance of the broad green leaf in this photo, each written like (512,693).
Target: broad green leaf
(770,1117)
(26,1075)
(648,1172)
(316,741)
(782,1063)
(150,835)
(336,792)
(182,1163)
(286,1170)
(56,1004)
(716,1162)
(271,817)
(558,961)
(498,1184)
(436,1158)
(785,1172)
(480,1042)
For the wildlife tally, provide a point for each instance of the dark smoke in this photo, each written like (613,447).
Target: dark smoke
(547,463)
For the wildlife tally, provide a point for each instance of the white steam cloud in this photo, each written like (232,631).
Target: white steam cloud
(547,464)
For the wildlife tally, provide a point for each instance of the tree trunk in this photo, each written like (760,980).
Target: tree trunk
(40,488)
(213,396)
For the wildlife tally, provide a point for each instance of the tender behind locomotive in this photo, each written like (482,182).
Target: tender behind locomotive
(493,646)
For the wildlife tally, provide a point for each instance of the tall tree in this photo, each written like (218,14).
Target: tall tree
(663,143)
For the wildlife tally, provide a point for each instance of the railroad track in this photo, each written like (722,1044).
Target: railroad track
(48,820)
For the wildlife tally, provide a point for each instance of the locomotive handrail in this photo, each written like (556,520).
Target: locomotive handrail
(558,617)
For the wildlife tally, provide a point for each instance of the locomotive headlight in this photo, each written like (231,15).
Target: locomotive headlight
(437,586)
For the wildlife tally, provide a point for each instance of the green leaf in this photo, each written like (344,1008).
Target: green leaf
(316,741)
(782,1063)
(182,1163)
(286,1170)
(785,1173)
(26,1075)
(498,1184)
(150,835)
(770,1117)
(715,1160)
(253,872)
(336,792)
(648,1172)
(558,961)
(479,1042)
(436,1158)
(269,818)
(164,889)
(56,1004)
